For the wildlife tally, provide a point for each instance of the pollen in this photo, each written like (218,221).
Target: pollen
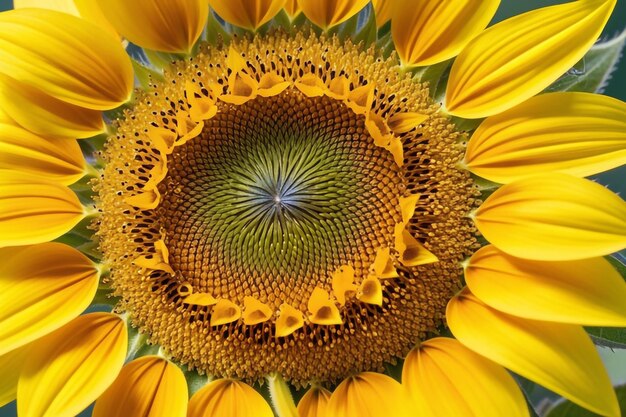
(289,203)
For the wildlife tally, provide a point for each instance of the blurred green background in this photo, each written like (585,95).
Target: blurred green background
(615,180)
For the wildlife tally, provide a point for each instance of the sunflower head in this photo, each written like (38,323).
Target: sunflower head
(361,205)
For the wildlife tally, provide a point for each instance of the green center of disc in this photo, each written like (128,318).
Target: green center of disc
(278,186)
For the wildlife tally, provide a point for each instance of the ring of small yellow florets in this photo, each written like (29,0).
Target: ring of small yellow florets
(246,78)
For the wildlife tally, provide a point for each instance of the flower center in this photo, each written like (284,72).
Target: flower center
(288,205)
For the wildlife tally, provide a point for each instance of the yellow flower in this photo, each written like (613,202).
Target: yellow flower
(268,205)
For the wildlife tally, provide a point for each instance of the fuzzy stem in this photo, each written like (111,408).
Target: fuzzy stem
(280,394)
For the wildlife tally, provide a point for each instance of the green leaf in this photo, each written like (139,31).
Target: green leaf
(569,409)
(611,337)
(367,31)
(214,33)
(145,75)
(594,71)
(195,381)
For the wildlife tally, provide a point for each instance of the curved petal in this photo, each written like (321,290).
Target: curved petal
(42,287)
(447,379)
(383,10)
(561,357)
(226,398)
(148,387)
(86,9)
(517,58)
(11,364)
(68,369)
(328,13)
(314,403)
(589,292)
(575,133)
(33,210)
(426,32)
(249,14)
(170,26)
(292,8)
(60,160)
(46,115)
(67,57)
(554,217)
(369,394)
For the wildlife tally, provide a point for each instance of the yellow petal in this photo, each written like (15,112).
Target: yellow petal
(11,364)
(33,210)
(447,379)
(272,84)
(370,291)
(343,283)
(554,217)
(310,85)
(292,8)
(322,309)
(157,260)
(255,311)
(67,57)
(60,160)
(412,253)
(314,403)
(68,369)
(575,133)
(46,115)
(360,99)
(200,299)
(407,207)
(328,13)
(369,394)
(147,200)
(169,26)
(589,292)
(383,266)
(249,14)
(228,398)
(162,139)
(561,357)
(519,57)
(86,9)
(42,287)
(148,387)
(224,312)
(406,121)
(383,10)
(289,320)
(431,31)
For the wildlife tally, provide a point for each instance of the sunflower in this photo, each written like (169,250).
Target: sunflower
(313,208)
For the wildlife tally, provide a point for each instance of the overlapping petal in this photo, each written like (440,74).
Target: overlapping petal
(554,217)
(383,10)
(292,8)
(227,398)
(447,379)
(45,115)
(248,14)
(148,387)
(11,364)
(42,287)
(86,9)
(575,133)
(519,57)
(68,369)
(35,210)
(589,291)
(314,403)
(369,394)
(67,57)
(329,13)
(58,159)
(426,32)
(561,357)
(165,25)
